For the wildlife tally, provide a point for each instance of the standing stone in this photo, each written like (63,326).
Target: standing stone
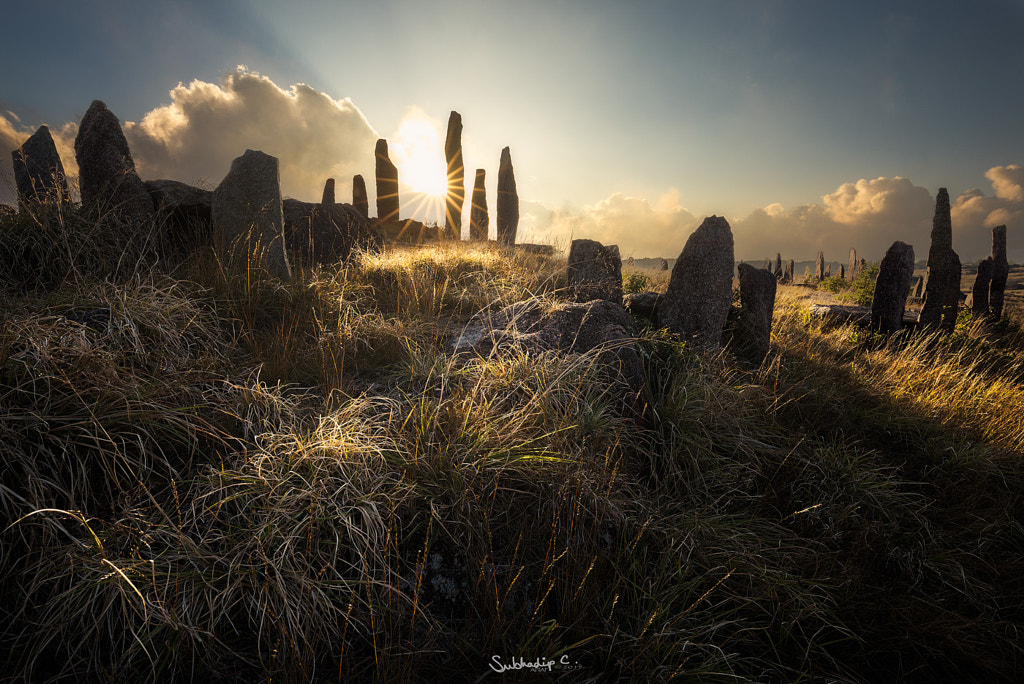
(663,266)
(788,275)
(851,271)
(594,272)
(828,271)
(767,264)
(248,220)
(38,171)
(478,219)
(939,261)
(892,286)
(819,266)
(842,272)
(951,295)
(387,184)
(1000,271)
(359,199)
(918,289)
(106,172)
(699,293)
(757,304)
(328,197)
(979,303)
(508,201)
(456,196)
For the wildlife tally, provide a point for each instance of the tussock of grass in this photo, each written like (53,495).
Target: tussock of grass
(225,478)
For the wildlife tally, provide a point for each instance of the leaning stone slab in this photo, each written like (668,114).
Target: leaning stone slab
(699,292)
(248,220)
(757,305)
(594,272)
(38,171)
(892,286)
(106,171)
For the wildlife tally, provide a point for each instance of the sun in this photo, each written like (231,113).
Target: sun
(418,152)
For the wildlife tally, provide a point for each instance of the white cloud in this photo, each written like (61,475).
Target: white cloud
(195,137)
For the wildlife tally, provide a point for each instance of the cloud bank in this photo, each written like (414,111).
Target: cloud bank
(206,125)
(867,215)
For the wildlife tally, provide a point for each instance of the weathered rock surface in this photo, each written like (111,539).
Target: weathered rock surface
(508,201)
(456,196)
(594,272)
(479,221)
(939,262)
(851,269)
(787,277)
(641,304)
(106,171)
(819,266)
(663,266)
(248,219)
(757,306)
(317,234)
(1000,272)
(892,286)
(387,184)
(917,288)
(952,294)
(38,171)
(699,292)
(979,293)
(359,197)
(185,210)
(569,327)
(328,196)
(777,272)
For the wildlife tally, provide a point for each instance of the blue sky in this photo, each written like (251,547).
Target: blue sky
(628,121)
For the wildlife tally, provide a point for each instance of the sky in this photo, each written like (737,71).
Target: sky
(809,124)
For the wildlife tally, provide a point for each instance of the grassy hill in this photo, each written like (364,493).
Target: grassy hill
(216,476)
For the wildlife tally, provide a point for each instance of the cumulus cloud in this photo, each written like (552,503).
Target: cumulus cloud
(975,214)
(206,125)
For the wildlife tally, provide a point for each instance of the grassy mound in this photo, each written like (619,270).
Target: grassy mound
(212,476)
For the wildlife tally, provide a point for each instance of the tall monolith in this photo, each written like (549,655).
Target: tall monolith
(787,276)
(980,291)
(359,197)
(38,171)
(892,287)
(478,218)
(1000,271)
(939,262)
(107,178)
(456,196)
(699,293)
(508,201)
(757,305)
(819,266)
(328,196)
(387,184)
(777,272)
(248,220)
(851,269)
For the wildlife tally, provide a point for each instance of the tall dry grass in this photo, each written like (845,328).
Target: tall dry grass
(219,477)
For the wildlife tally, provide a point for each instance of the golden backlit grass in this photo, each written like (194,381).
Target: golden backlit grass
(238,479)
